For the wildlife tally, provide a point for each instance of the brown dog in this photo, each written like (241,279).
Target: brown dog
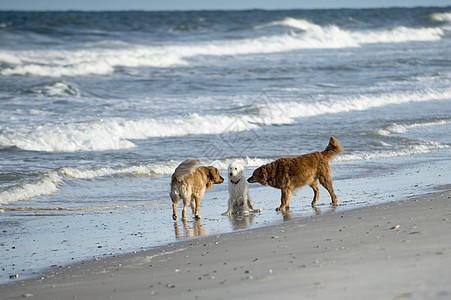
(189,183)
(289,174)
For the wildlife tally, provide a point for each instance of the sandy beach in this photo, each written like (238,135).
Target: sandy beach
(399,250)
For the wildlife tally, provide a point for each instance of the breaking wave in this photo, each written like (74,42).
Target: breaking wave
(402,128)
(50,182)
(97,60)
(422,148)
(56,89)
(440,17)
(115,134)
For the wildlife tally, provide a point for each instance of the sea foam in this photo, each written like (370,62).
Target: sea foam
(422,147)
(98,60)
(402,128)
(50,182)
(47,184)
(115,134)
(441,17)
(339,104)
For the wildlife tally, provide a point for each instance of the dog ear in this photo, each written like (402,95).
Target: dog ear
(264,175)
(210,177)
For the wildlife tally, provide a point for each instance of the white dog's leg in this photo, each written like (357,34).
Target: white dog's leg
(251,204)
(245,210)
(229,210)
(249,201)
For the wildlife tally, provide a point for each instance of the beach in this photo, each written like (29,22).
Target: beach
(397,250)
(98,108)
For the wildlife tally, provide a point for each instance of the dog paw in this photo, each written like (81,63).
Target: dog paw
(258,210)
(197,217)
(227,213)
(246,212)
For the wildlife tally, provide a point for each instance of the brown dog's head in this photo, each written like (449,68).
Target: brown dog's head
(260,175)
(213,177)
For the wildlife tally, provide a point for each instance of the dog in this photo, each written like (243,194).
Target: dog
(189,183)
(291,173)
(239,199)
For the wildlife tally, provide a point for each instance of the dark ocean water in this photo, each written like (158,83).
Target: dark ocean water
(98,108)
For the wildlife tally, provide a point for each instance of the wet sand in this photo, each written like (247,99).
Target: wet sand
(399,250)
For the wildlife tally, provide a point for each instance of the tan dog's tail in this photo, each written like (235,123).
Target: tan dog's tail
(334,148)
(186,168)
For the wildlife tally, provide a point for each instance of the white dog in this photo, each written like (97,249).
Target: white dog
(239,199)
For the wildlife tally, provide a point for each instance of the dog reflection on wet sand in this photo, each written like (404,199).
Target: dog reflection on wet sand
(191,229)
(239,221)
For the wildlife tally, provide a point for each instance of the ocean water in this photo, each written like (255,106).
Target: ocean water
(98,108)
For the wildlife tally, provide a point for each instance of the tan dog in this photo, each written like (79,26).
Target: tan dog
(189,183)
(289,174)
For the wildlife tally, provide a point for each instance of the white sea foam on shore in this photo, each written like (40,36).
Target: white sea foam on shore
(114,134)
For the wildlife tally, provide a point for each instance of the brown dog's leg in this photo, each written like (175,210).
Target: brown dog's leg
(314,186)
(185,205)
(174,211)
(197,205)
(285,199)
(327,184)
(193,205)
(175,202)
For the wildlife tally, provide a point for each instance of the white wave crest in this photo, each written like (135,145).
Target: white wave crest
(46,185)
(99,60)
(153,169)
(50,70)
(334,37)
(7,58)
(57,89)
(246,162)
(157,169)
(441,17)
(115,134)
(398,35)
(87,136)
(402,128)
(422,148)
(342,104)
(90,61)
(50,182)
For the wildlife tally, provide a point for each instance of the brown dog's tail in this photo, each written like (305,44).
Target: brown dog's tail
(334,148)
(186,168)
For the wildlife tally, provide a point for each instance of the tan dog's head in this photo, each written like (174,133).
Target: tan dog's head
(213,177)
(260,175)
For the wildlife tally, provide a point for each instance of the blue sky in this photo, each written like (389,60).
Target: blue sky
(206,4)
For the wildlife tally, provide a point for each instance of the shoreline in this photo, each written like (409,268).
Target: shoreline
(392,250)
(58,238)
